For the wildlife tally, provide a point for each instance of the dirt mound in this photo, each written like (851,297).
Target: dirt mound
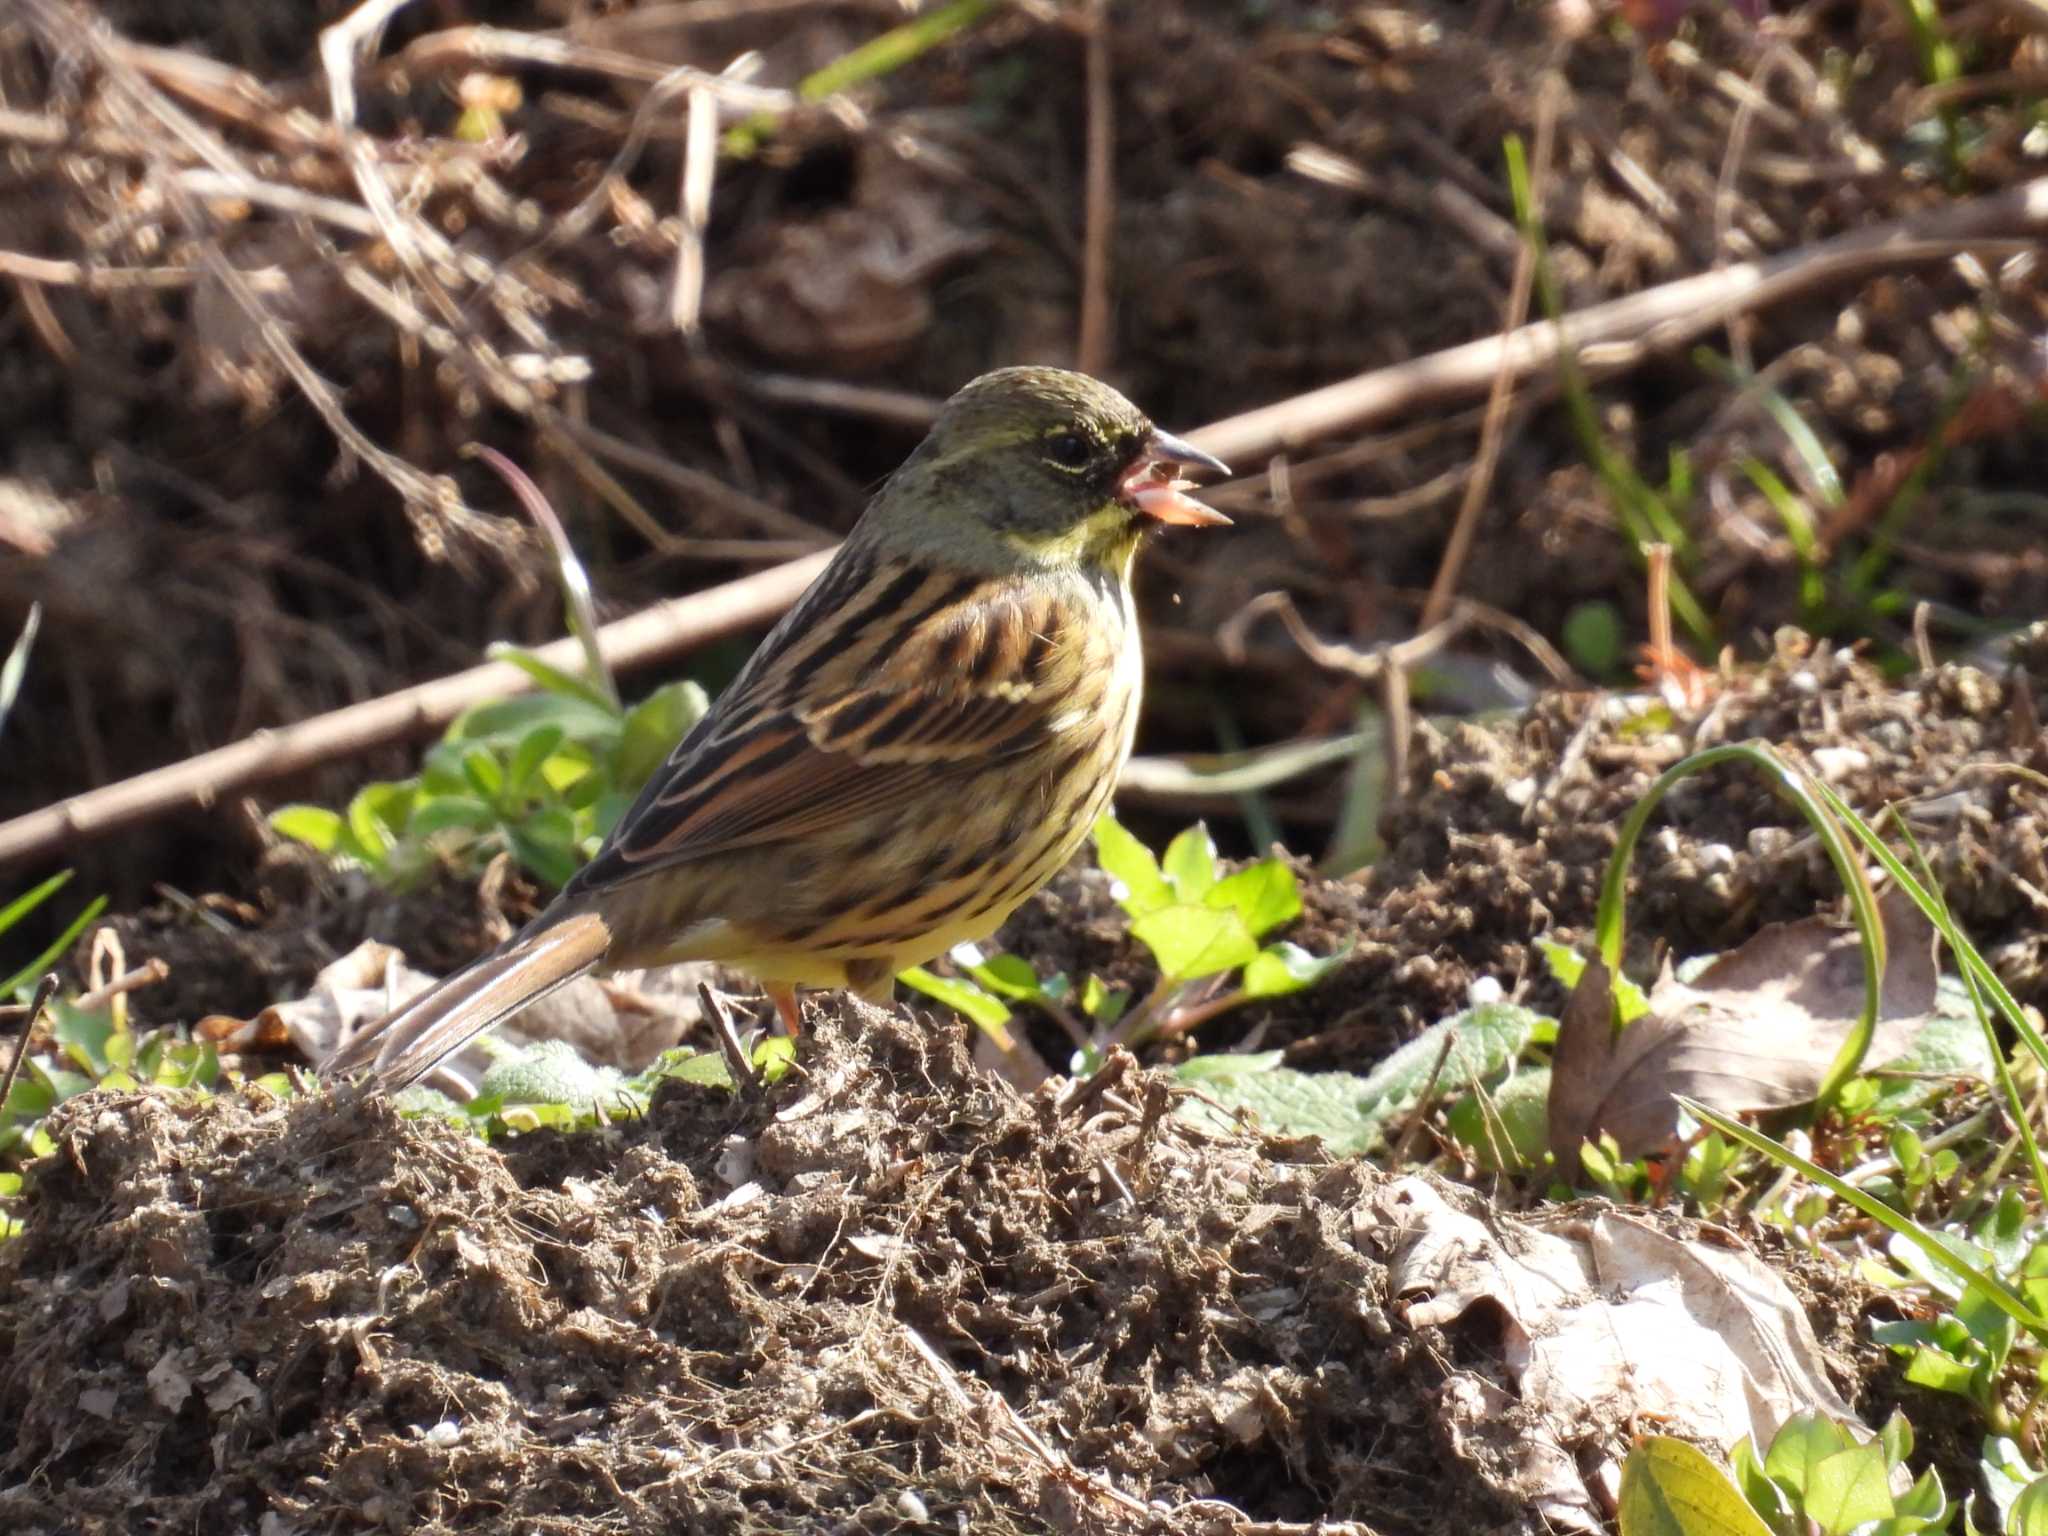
(1505,829)
(885,1294)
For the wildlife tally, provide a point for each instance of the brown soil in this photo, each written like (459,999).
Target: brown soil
(835,1305)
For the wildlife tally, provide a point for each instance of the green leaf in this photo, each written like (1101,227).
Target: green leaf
(1265,895)
(1330,1105)
(1515,1135)
(29,900)
(958,994)
(56,947)
(1594,637)
(1103,1003)
(1848,1489)
(32,1096)
(484,774)
(1567,965)
(2029,1513)
(1227,1066)
(1487,1040)
(1192,942)
(651,730)
(314,825)
(1764,1496)
(377,817)
(1130,863)
(83,1036)
(546,1072)
(1281,968)
(503,723)
(551,678)
(1190,863)
(1802,1443)
(535,748)
(1924,1501)
(546,843)
(1009,976)
(443,813)
(1670,1488)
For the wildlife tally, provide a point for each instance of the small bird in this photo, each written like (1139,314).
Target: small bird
(921,743)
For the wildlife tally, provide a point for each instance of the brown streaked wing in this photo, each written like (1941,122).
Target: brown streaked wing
(887,714)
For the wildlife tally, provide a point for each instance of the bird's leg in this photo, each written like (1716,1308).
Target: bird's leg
(783,996)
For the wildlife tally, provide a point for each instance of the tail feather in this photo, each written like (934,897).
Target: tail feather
(405,1045)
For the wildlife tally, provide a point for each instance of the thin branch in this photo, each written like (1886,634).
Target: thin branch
(1622,333)
(1493,427)
(649,635)
(1099,228)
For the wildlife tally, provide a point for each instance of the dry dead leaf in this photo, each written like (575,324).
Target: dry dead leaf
(623,1021)
(1607,1320)
(1756,1030)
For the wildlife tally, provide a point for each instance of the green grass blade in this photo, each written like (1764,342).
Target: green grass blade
(1822,814)
(1996,1291)
(28,901)
(15,668)
(49,956)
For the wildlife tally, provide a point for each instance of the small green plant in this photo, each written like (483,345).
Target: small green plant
(550,1085)
(1967,1245)
(93,1046)
(1206,932)
(543,776)
(100,1048)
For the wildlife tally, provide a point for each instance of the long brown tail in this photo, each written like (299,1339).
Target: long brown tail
(404,1046)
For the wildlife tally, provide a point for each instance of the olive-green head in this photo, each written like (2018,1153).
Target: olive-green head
(1040,466)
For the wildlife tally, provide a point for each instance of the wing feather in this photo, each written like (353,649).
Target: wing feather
(908,679)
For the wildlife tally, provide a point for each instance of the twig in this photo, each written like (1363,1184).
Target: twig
(1624,332)
(700,169)
(891,405)
(45,990)
(1772,63)
(1398,1157)
(432,501)
(649,635)
(761,515)
(1492,427)
(96,280)
(1007,1424)
(147,974)
(467,47)
(744,1078)
(1100,217)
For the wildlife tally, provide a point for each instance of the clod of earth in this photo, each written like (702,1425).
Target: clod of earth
(887,1279)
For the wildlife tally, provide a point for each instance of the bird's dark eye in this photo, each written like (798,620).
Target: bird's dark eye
(1069,450)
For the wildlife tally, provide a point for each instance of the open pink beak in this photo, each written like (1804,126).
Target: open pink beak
(1153,488)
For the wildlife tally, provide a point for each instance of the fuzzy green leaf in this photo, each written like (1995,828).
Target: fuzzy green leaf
(1330,1105)
(1848,1489)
